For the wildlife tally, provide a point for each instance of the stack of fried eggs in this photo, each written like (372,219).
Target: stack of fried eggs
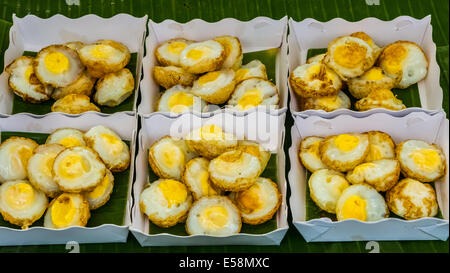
(198,73)
(369,72)
(73,168)
(211,181)
(365,176)
(67,73)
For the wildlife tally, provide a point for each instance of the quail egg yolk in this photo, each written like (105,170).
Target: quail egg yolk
(209,77)
(346,142)
(179,101)
(19,196)
(394,56)
(214,217)
(173,191)
(198,53)
(100,189)
(171,155)
(363,167)
(28,73)
(314,149)
(102,51)
(427,160)
(115,146)
(20,157)
(203,177)
(240,74)
(63,211)
(375,153)
(366,38)
(250,198)
(73,166)
(211,132)
(176,47)
(329,101)
(374,74)
(229,162)
(46,165)
(56,62)
(250,99)
(70,142)
(349,55)
(253,150)
(354,208)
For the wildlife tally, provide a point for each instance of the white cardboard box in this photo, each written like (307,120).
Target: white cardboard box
(32,33)
(124,124)
(156,125)
(416,125)
(310,33)
(260,33)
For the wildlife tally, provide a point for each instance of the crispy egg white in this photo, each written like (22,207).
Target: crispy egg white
(67,210)
(361,202)
(179,99)
(254,148)
(381,174)
(166,202)
(213,215)
(169,76)
(201,57)
(254,92)
(68,137)
(168,53)
(216,86)
(381,146)
(196,178)
(20,203)
(327,103)
(113,88)
(380,98)
(372,79)
(14,155)
(100,194)
(75,45)
(74,104)
(83,85)
(253,69)
(325,188)
(316,58)
(309,153)
(233,51)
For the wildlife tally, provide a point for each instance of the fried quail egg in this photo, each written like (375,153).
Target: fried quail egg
(213,215)
(179,99)
(316,58)
(215,87)
(210,141)
(350,56)
(258,203)
(254,69)
(314,80)
(254,148)
(67,210)
(74,104)
(361,202)
(381,174)
(412,199)
(104,56)
(14,155)
(78,169)
(196,178)
(202,57)
(325,187)
(83,85)
(169,76)
(21,204)
(345,151)
(68,137)
(24,83)
(113,151)
(380,98)
(366,38)
(253,92)
(168,156)
(100,194)
(233,51)
(372,79)
(113,88)
(421,160)
(405,61)
(327,103)
(381,146)
(168,53)
(57,65)
(75,45)
(40,167)
(166,202)
(309,153)
(234,170)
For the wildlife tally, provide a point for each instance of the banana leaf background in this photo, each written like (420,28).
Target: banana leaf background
(214,10)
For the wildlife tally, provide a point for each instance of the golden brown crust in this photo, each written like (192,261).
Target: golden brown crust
(206,65)
(115,168)
(240,55)
(74,104)
(128,87)
(24,223)
(238,185)
(221,95)
(300,86)
(383,183)
(166,62)
(168,77)
(83,85)
(84,212)
(152,160)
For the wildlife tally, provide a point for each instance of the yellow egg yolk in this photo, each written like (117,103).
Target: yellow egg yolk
(102,51)
(226,45)
(214,217)
(56,62)
(393,57)
(250,149)
(211,132)
(113,144)
(19,196)
(28,73)
(203,177)
(363,167)
(350,55)
(208,77)
(100,189)
(20,156)
(173,191)
(46,165)
(176,47)
(230,162)
(363,36)
(198,53)
(250,199)
(314,149)
(179,101)
(250,99)
(73,166)
(240,74)
(63,211)
(330,101)
(70,142)
(374,153)
(428,160)
(346,142)
(374,74)
(354,208)
(171,155)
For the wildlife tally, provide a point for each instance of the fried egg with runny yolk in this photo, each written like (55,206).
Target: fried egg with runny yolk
(361,202)
(68,137)
(113,151)
(372,79)
(201,57)
(14,155)
(327,103)
(179,99)
(196,178)
(421,160)
(233,51)
(309,153)
(380,98)
(381,146)
(166,202)
(168,53)
(215,216)
(253,69)
(381,174)
(216,86)
(67,210)
(254,92)
(100,194)
(345,151)
(114,88)
(254,148)
(20,203)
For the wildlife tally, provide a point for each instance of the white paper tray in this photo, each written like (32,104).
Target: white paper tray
(124,125)
(416,125)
